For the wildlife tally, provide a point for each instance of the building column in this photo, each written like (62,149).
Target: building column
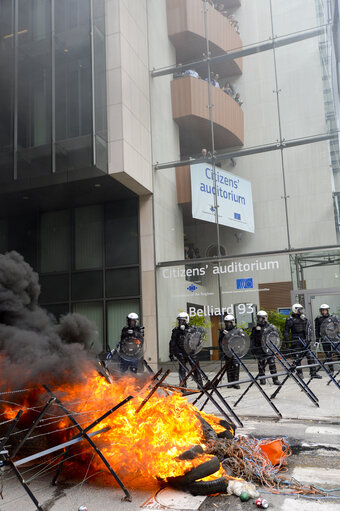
(148,278)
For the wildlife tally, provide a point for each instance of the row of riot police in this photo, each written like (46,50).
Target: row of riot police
(301,332)
(297,327)
(297,331)
(178,348)
(257,349)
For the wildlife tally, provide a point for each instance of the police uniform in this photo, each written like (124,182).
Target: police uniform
(326,345)
(176,349)
(262,357)
(128,333)
(298,326)
(233,367)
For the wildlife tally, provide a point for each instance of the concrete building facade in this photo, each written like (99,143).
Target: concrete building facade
(111,107)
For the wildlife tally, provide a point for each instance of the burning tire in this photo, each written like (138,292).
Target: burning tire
(205,469)
(225,434)
(191,453)
(208,487)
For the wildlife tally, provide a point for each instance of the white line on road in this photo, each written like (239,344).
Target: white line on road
(320,430)
(317,475)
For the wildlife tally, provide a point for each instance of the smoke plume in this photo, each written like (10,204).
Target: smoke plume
(34,348)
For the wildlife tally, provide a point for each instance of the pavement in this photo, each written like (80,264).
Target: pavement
(313,433)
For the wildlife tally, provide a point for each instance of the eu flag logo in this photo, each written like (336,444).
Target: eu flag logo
(244,284)
(192,288)
(237,216)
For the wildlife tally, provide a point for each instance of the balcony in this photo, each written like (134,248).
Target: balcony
(187,33)
(190,111)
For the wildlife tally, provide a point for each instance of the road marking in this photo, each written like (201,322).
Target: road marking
(307,505)
(317,475)
(320,430)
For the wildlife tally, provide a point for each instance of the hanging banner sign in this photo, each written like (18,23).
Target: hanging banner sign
(234,197)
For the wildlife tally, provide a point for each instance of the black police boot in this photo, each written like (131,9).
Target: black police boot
(276,381)
(236,377)
(262,380)
(300,375)
(317,376)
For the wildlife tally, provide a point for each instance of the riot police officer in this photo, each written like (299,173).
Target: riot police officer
(233,367)
(177,349)
(326,345)
(297,324)
(262,357)
(131,330)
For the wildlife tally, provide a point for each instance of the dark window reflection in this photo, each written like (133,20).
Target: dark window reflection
(70,14)
(121,232)
(22,237)
(73,90)
(123,282)
(55,241)
(34,88)
(87,285)
(32,108)
(6,89)
(57,310)
(54,288)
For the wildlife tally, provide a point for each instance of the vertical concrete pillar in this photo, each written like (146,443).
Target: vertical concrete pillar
(148,278)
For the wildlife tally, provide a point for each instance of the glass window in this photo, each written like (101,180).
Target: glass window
(6,89)
(121,233)
(100,84)
(94,312)
(34,88)
(54,288)
(57,310)
(55,241)
(73,90)
(251,209)
(292,17)
(122,282)
(70,14)
(309,190)
(240,286)
(87,285)
(22,237)
(3,236)
(302,100)
(89,228)
(116,318)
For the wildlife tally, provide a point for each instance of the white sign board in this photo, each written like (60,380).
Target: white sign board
(234,197)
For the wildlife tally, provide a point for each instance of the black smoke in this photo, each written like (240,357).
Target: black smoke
(34,348)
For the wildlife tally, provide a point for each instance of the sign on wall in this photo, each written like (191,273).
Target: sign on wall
(234,197)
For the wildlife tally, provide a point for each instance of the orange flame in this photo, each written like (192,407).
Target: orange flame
(142,446)
(144,443)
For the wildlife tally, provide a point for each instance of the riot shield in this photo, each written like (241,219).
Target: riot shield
(193,340)
(237,340)
(270,334)
(330,328)
(131,348)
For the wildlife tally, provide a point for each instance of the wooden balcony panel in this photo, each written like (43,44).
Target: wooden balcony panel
(190,111)
(187,33)
(183,184)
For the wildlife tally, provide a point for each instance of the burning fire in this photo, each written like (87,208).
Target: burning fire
(140,444)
